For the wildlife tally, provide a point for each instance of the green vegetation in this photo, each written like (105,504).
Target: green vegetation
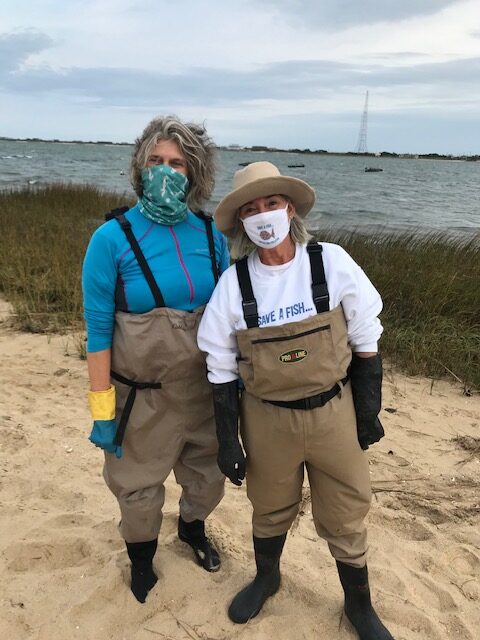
(44,234)
(431,294)
(429,283)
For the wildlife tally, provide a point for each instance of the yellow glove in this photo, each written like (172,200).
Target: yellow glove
(102,404)
(102,407)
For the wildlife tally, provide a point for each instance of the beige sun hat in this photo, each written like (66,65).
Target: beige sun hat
(258,180)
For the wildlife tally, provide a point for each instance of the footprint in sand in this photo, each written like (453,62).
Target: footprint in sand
(432,594)
(111,595)
(107,533)
(51,492)
(466,564)
(409,529)
(420,562)
(456,628)
(70,521)
(386,578)
(49,556)
(423,625)
(12,438)
(465,560)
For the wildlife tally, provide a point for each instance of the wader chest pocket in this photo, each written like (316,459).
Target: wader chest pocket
(296,335)
(298,365)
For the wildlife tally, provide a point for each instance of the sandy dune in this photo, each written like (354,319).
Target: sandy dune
(64,568)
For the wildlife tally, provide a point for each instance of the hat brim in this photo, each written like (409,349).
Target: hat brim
(300,193)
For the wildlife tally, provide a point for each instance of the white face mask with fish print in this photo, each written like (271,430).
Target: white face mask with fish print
(269,229)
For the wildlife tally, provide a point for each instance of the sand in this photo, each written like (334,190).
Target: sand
(64,570)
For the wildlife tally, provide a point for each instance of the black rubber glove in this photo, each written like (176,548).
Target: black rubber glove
(231,458)
(366,380)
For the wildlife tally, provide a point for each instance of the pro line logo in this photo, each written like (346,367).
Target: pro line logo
(295,355)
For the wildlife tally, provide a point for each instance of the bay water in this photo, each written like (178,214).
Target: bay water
(408,194)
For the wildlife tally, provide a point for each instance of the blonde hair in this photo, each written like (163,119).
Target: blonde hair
(196,146)
(241,244)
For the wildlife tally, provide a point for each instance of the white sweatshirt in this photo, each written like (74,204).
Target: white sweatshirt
(284,294)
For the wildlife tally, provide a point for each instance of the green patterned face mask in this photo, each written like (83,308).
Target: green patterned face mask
(164,192)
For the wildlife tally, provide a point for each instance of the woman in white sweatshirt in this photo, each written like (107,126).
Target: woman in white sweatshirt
(297,322)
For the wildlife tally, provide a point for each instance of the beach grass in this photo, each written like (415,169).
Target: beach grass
(44,234)
(430,285)
(429,282)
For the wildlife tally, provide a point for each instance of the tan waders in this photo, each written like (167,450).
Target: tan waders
(164,416)
(171,427)
(297,413)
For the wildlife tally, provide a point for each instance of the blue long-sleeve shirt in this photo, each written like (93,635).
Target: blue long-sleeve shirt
(178,256)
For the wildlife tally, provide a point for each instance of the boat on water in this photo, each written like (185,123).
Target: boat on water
(295,166)
(243,164)
(372,169)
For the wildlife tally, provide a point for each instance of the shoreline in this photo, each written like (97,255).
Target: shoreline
(265,149)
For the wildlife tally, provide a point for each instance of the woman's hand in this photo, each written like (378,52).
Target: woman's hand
(103,436)
(102,408)
(366,379)
(231,458)
(231,461)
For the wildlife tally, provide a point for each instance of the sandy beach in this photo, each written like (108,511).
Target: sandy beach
(65,570)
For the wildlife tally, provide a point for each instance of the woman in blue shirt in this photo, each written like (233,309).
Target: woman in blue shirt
(147,276)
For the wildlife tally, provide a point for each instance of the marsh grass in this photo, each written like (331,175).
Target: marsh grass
(430,284)
(43,237)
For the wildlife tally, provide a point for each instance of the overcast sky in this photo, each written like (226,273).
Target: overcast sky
(285,73)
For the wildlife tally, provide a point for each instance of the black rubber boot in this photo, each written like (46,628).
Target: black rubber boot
(193,533)
(250,600)
(358,605)
(143,576)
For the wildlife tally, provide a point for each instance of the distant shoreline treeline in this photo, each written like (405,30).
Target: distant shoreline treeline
(429,283)
(261,148)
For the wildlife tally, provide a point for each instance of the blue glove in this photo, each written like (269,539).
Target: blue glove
(102,408)
(103,434)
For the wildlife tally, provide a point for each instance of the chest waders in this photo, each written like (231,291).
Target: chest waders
(164,409)
(297,412)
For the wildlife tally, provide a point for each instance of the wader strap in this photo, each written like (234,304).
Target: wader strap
(211,242)
(127,229)
(319,282)
(313,402)
(127,409)
(120,298)
(249,304)
(114,213)
(320,294)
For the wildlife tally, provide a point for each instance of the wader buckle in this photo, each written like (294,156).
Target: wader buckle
(312,402)
(320,293)
(319,402)
(250,309)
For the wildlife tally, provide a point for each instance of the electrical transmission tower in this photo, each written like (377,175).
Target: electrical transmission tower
(362,135)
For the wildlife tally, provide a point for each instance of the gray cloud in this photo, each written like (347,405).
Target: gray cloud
(453,72)
(347,13)
(15,48)
(398,55)
(308,79)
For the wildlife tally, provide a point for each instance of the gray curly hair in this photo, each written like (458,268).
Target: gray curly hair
(196,146)
(241,245)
